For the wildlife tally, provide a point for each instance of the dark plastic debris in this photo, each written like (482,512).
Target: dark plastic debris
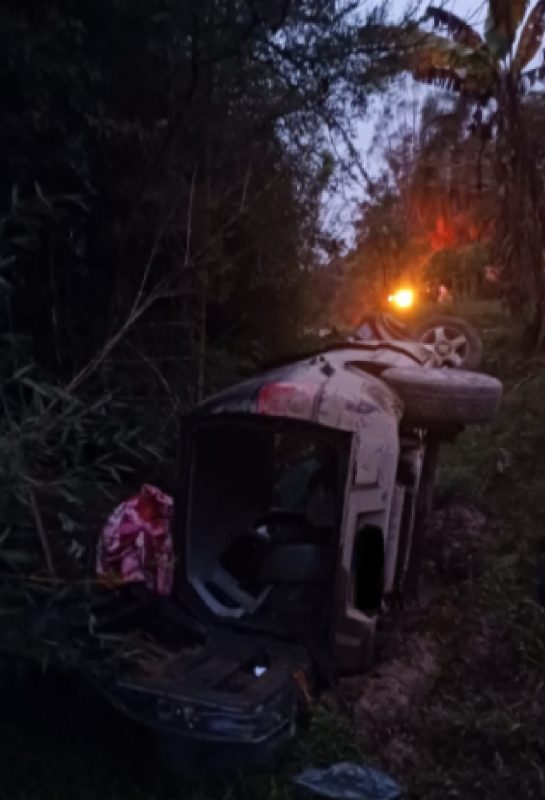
(347,781)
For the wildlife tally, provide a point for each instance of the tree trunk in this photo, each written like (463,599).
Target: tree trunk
(522,217)
(205,239)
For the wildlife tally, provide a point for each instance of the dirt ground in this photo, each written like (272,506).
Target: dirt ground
(411,652)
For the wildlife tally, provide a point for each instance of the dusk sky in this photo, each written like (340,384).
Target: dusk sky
(341,205)
(474,11)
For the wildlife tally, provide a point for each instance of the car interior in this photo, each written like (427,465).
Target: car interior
(264,506)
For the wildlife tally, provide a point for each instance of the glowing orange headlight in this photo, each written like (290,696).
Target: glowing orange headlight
(404,298)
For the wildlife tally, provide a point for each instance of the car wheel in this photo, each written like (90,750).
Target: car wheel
(443,396)
(455,342)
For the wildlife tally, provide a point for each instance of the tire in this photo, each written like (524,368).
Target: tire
(444,396)
(455,342)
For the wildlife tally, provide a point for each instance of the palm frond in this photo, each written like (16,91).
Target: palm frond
(444,78)
(532,76)
(531,38)
(442,62)
(504,17)
(460,31)
(439,61)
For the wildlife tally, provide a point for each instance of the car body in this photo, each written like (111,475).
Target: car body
(301,497)
(340,411)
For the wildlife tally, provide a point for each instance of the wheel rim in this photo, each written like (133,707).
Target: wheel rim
(449,343)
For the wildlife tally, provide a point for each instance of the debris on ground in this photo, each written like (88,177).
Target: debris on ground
(347,781)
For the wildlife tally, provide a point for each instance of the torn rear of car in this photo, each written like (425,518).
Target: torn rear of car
(256,538)
(283,551)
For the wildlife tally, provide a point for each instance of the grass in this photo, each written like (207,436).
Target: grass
(479,733)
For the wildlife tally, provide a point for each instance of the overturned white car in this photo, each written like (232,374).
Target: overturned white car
(301,500)
(308,487)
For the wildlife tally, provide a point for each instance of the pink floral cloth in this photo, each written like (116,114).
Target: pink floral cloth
(135,545)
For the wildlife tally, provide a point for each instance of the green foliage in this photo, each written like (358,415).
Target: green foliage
(161,172)
(65,460)
(386,249)
(463,269)
(499,463)
(492,70)
(462,60)
(490,693)
(66,455)
(195,136)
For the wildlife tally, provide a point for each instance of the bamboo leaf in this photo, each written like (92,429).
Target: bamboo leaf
(5,535)
(7,262)
(43,198)
(39,388)
(14,196)
(531,38)
(23,371)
